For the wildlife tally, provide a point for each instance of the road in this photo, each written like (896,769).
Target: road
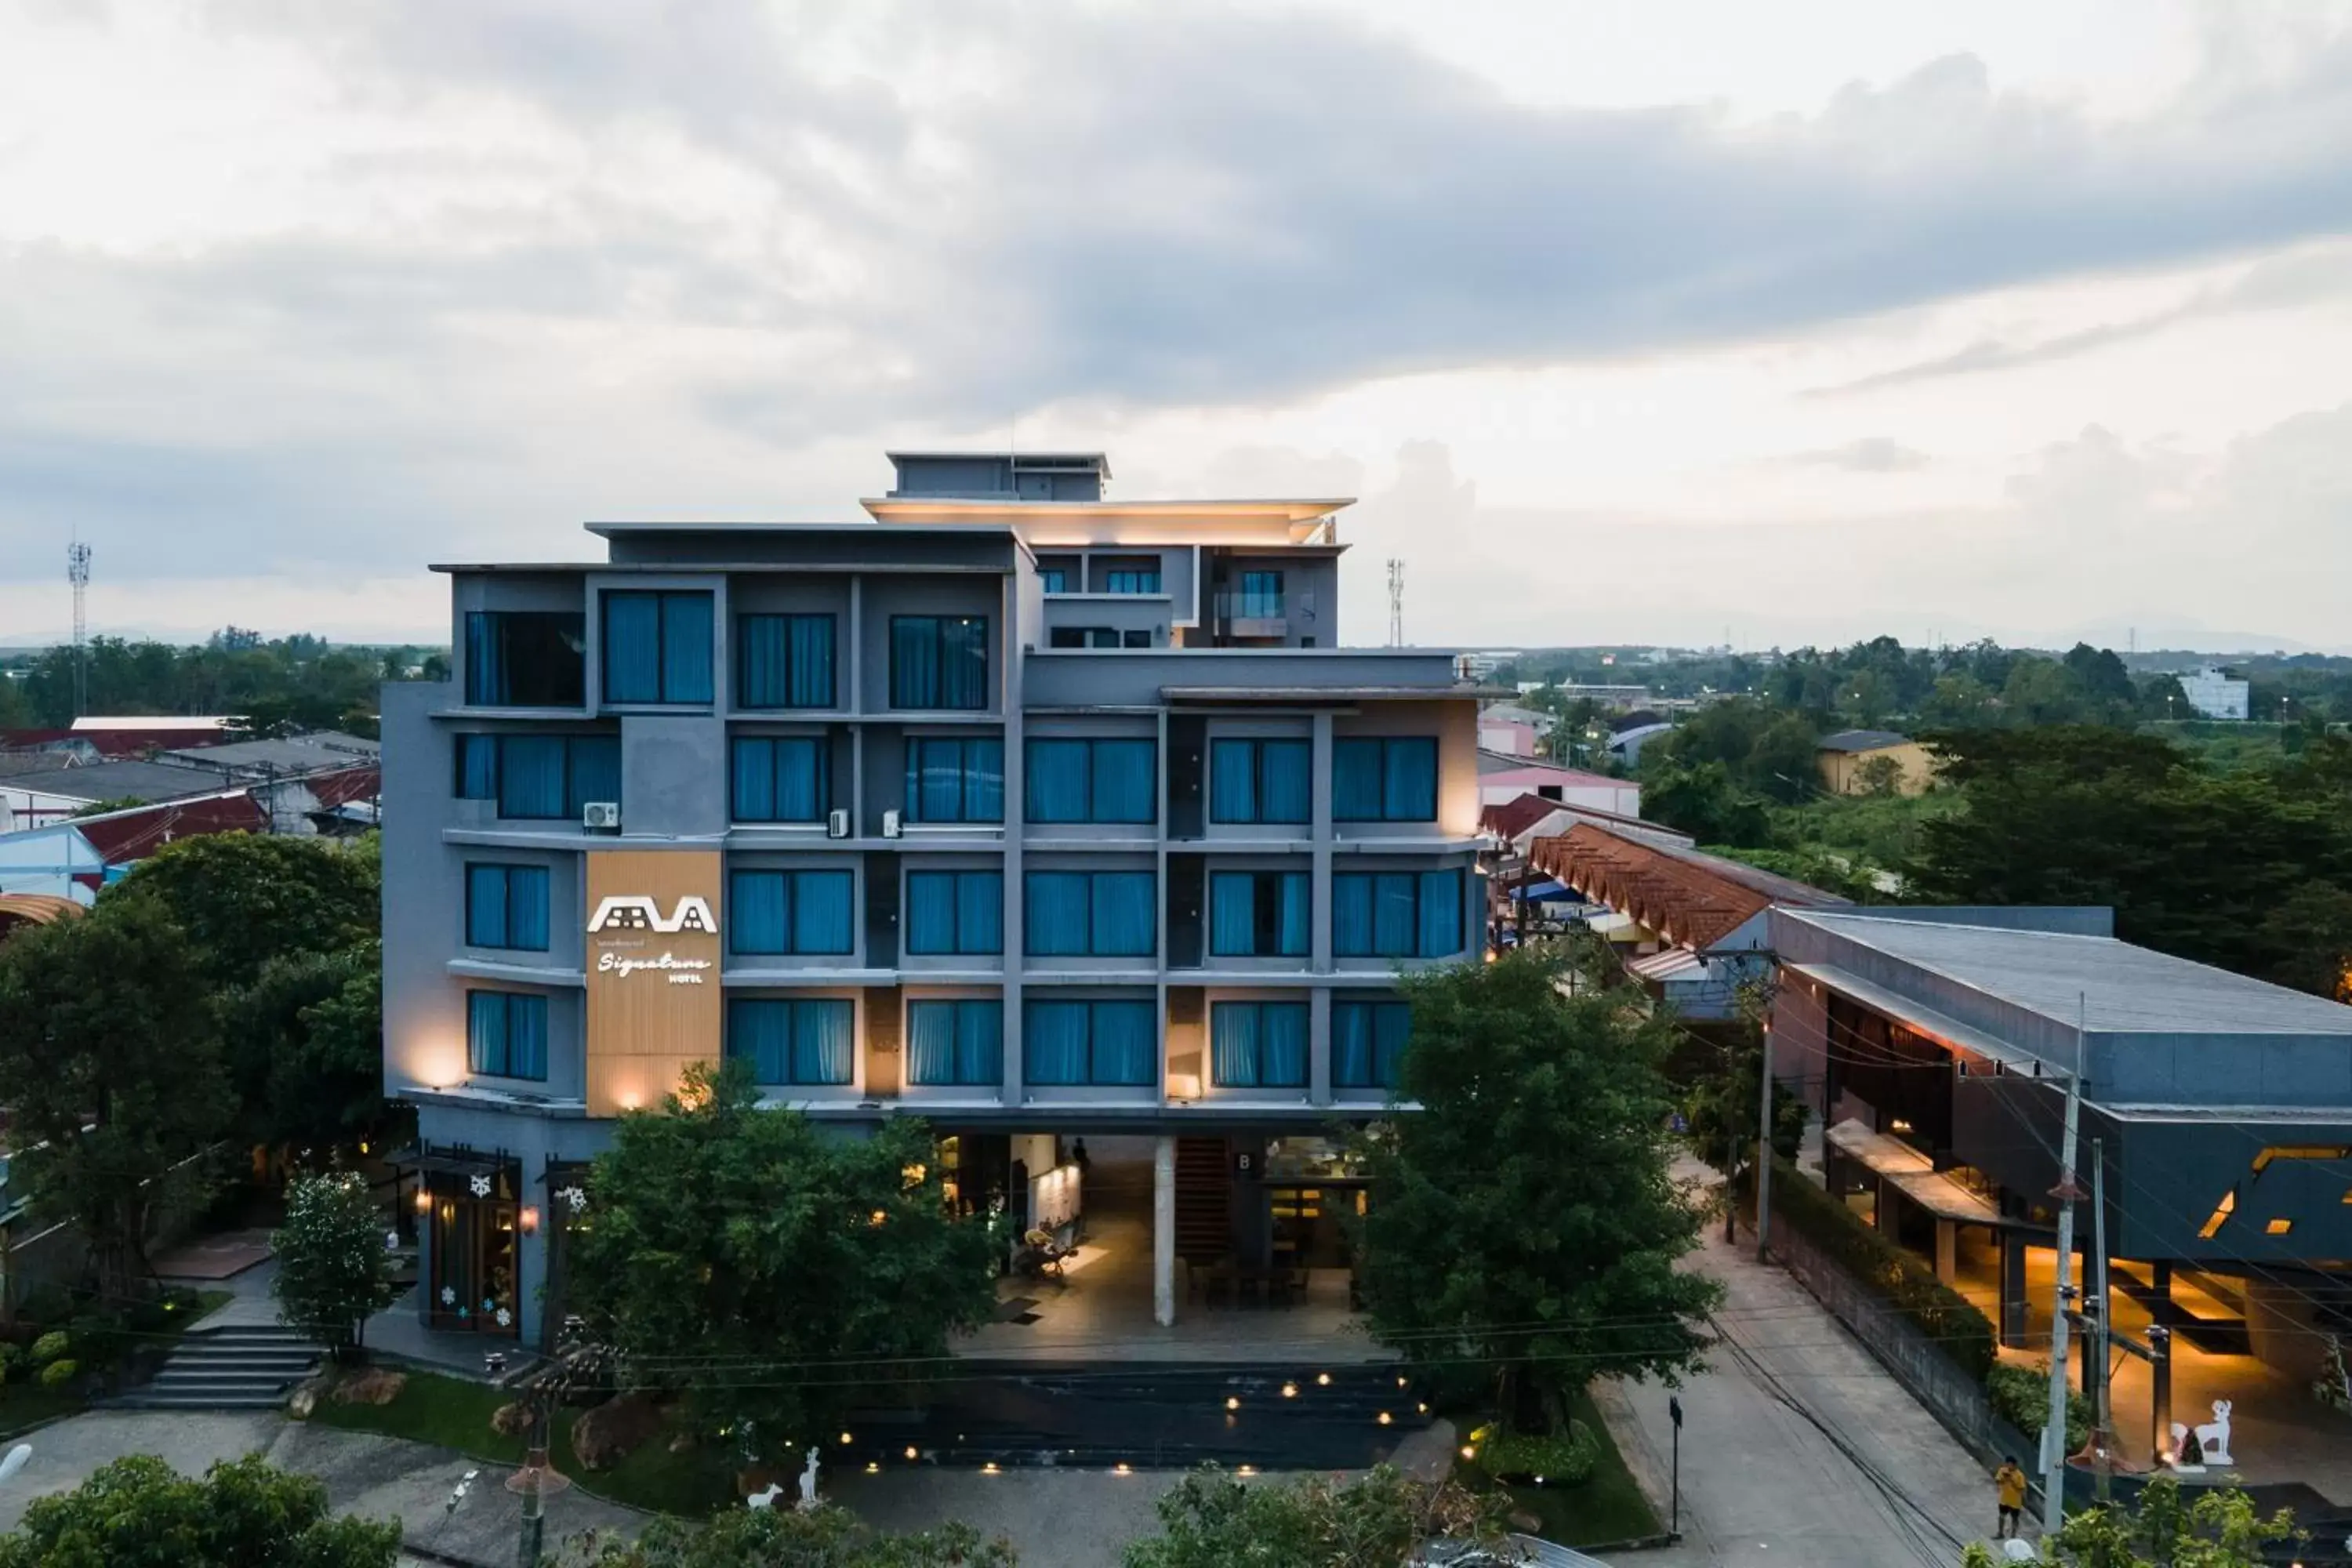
(1876,1483)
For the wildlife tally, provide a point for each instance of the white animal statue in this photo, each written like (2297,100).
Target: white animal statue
(2212,1438)
(2016,1551)
(19,1456)
(766,1498)
(808,1483)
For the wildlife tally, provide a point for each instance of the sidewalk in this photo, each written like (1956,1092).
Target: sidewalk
(1763,1485)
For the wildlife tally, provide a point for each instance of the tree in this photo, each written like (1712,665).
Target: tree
(821,1538)
(305,1045)
(1523,1218)
(2220,1529)
(1721,1114)
(111,1070)
(1704,802)
(333,1271)
(246,898)
(1210,1521)
(724,1234)
(1783,763)
(139,1513)
(1879,776)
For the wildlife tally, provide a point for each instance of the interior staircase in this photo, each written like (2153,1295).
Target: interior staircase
(234,1367)
(1203,1194)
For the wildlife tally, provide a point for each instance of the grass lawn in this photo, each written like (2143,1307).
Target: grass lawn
(27,1403)
(455,1414)
(1606,1508)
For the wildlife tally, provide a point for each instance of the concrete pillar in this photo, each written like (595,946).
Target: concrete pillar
(2012,1288)
(1882,1210)
(1948,1250)
(1164,1231)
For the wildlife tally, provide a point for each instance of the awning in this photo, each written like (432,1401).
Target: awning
(1675,963)
(1540,890)
(449,1162)
(1912,1174)
(1612,923)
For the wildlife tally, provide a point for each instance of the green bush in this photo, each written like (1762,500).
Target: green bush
(50,1346)
(2021,1396)
(57,1373)
(1562,1459)
(1903,1281)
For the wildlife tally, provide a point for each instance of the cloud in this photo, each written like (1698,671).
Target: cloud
(1870,455)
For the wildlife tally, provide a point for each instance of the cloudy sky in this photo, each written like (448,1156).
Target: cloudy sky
(1674,321)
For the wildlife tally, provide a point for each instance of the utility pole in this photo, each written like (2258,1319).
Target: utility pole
(1764,1154)
(2101,1417)
(2054,1432)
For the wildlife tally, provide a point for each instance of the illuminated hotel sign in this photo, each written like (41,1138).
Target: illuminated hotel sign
(653,960)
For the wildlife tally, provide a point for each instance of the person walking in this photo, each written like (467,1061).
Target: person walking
(2009,1483)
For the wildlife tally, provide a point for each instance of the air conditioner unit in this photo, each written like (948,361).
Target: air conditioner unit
(836,823)
(601,815)
(891,826)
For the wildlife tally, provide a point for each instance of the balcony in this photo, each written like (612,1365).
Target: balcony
(1055,678)
(1260,615)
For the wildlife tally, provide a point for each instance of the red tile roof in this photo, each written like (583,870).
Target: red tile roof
(1691,899)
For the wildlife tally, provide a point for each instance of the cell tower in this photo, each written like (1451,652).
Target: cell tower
(1396,602)
(78,573)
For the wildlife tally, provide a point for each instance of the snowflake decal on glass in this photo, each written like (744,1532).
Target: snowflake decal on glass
(575,1198)
(464,1313)
(448,1295)
(481,1185)
(506,1318)
(489,1305)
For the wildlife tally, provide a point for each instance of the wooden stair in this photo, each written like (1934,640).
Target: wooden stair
(1203,1195)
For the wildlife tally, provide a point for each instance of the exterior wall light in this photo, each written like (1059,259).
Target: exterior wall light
(529,1220)
(423,1200)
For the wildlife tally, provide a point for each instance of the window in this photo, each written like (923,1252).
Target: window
(539,778)
(1099,914)
(782,778)
(1384,778)
(506,1034)
(955,912)
(1258,1044)
(1260,781)
(656,647)
(1132,580)
(1367,1042)
(955,1042)
(1066,636)
(783,661)
(1261,597)
(526,658)
(955,779)
(1260,914)
(1092,781)
(939,661)
(805,1040)
(1133,637)
(506,906)
(1054,579)
(789,912)
(1396,914)
(1089,1043)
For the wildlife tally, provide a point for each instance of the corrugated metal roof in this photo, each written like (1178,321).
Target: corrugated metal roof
(2116,987)
(120,781)
(1862,741)
(298,754)
(1692,900)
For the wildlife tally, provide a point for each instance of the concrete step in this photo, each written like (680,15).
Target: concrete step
(191,1380)
(141,1399)
(289,1357)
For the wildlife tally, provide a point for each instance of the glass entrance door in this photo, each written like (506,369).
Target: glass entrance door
(472,1283)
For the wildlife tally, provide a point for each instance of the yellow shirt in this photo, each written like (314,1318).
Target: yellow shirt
(2011,1482)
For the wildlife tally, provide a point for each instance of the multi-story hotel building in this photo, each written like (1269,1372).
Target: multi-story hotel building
(1023,810)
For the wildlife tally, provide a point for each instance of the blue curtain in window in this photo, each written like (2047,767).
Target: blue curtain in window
(1056,786)
(1391,1027)
(1409,782)
(931,913)
(762,666)
(477,767)
(801,775)
(935,790)
(1351,1044)
(1053,580)
(821,912)
(1441,914)
(531,776)
(755,778)
(1293,934)
(757,912)
(809,640)
(963,662)
(983,784)
(1123,777)
(685,647)
(1232,781)
(1234,1044)
(980,912)
(760,1032)
(486,1033)
(1057,912)
(1232,912)
(486,906)
(1395,913)
(1282,1045)
(1124,1035)
(527,908)
(913,661)
(595,770)
(1261,595)
(822,1041)
(979,1042)
(931,1043)
(1054,1042)
(1351,915)
(1356,780)
(527,1037)
(1286,769)
(1132,582)
(485,680)
(632,647)
(1123,923)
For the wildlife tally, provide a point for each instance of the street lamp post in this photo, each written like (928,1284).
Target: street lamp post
(1674,1515)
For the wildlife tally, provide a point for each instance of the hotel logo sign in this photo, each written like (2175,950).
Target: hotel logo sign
(636,912)
(654,1002)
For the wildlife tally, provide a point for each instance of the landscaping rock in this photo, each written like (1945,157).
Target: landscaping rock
(376,1385)
(511,1420)
(611,1432)
(305,1400)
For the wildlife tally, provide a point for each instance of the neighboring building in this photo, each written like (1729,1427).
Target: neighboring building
(1503,778)
(166,728)
(1524,903)
(54,862)
(37,799)
(2214,695)
(294,756)
(1622,698)
(1511,730)
(1030,812)
(1691,928)
(1936,1044)
(1850,759)
(1626,745)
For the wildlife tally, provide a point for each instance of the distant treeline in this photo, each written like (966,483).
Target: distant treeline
(278,684)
